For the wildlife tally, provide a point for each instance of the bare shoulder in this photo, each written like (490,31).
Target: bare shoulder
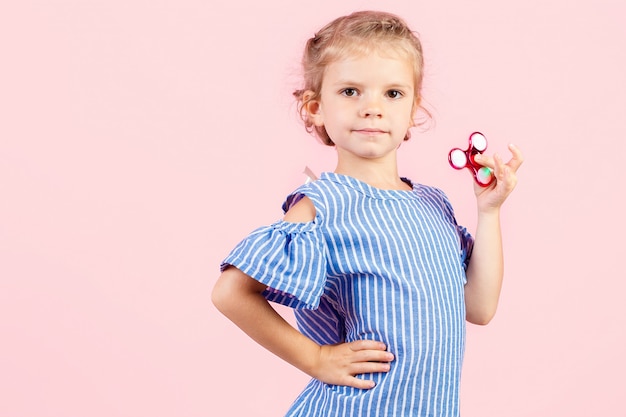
(302,212)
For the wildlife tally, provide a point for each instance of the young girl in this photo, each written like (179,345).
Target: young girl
(380,275)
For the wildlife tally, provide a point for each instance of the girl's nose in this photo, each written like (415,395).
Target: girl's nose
(371,108)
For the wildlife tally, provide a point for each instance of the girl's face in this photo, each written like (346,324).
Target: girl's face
(366,105)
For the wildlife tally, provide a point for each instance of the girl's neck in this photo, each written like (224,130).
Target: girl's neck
(379,175)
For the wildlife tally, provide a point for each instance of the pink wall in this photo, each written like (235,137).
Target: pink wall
(140,140)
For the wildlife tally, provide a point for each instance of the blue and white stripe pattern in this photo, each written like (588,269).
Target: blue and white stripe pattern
(374,264)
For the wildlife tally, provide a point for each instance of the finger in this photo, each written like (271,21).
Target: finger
(484,160)
(367,345)
(505,176)
(499,170)
(373,356)
(369,368)
(360,383)
(370,351)
(517,158)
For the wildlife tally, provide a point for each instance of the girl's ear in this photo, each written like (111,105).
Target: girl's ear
(416,106)
(313,108)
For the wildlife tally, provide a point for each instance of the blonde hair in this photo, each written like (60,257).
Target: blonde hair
(357,34)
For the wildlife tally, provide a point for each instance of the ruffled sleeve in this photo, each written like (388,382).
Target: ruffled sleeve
(467,244)
(290,258)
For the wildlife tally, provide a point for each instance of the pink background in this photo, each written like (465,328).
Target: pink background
(140,140)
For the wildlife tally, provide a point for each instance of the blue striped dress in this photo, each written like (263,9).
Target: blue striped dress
(384,265)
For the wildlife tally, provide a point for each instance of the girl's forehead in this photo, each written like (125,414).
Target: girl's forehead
(388,65)
(389,50)
(370,72)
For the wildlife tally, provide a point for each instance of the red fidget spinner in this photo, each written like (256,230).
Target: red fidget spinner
(460,159)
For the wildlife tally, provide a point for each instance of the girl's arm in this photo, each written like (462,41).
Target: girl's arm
(239,297)
(486,267)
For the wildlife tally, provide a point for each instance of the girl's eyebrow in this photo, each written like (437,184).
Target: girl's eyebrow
(348,82)
(399,86)
(392,85)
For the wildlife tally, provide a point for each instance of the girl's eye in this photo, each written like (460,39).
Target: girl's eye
(394,94)
(349,92)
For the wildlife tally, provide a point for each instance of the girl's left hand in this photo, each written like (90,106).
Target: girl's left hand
(493,196)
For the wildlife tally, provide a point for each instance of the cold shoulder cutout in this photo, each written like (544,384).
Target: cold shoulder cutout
(302,211)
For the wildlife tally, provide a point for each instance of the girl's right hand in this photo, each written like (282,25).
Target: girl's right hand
(339,364)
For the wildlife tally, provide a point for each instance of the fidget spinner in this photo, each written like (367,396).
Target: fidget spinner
(460,159)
